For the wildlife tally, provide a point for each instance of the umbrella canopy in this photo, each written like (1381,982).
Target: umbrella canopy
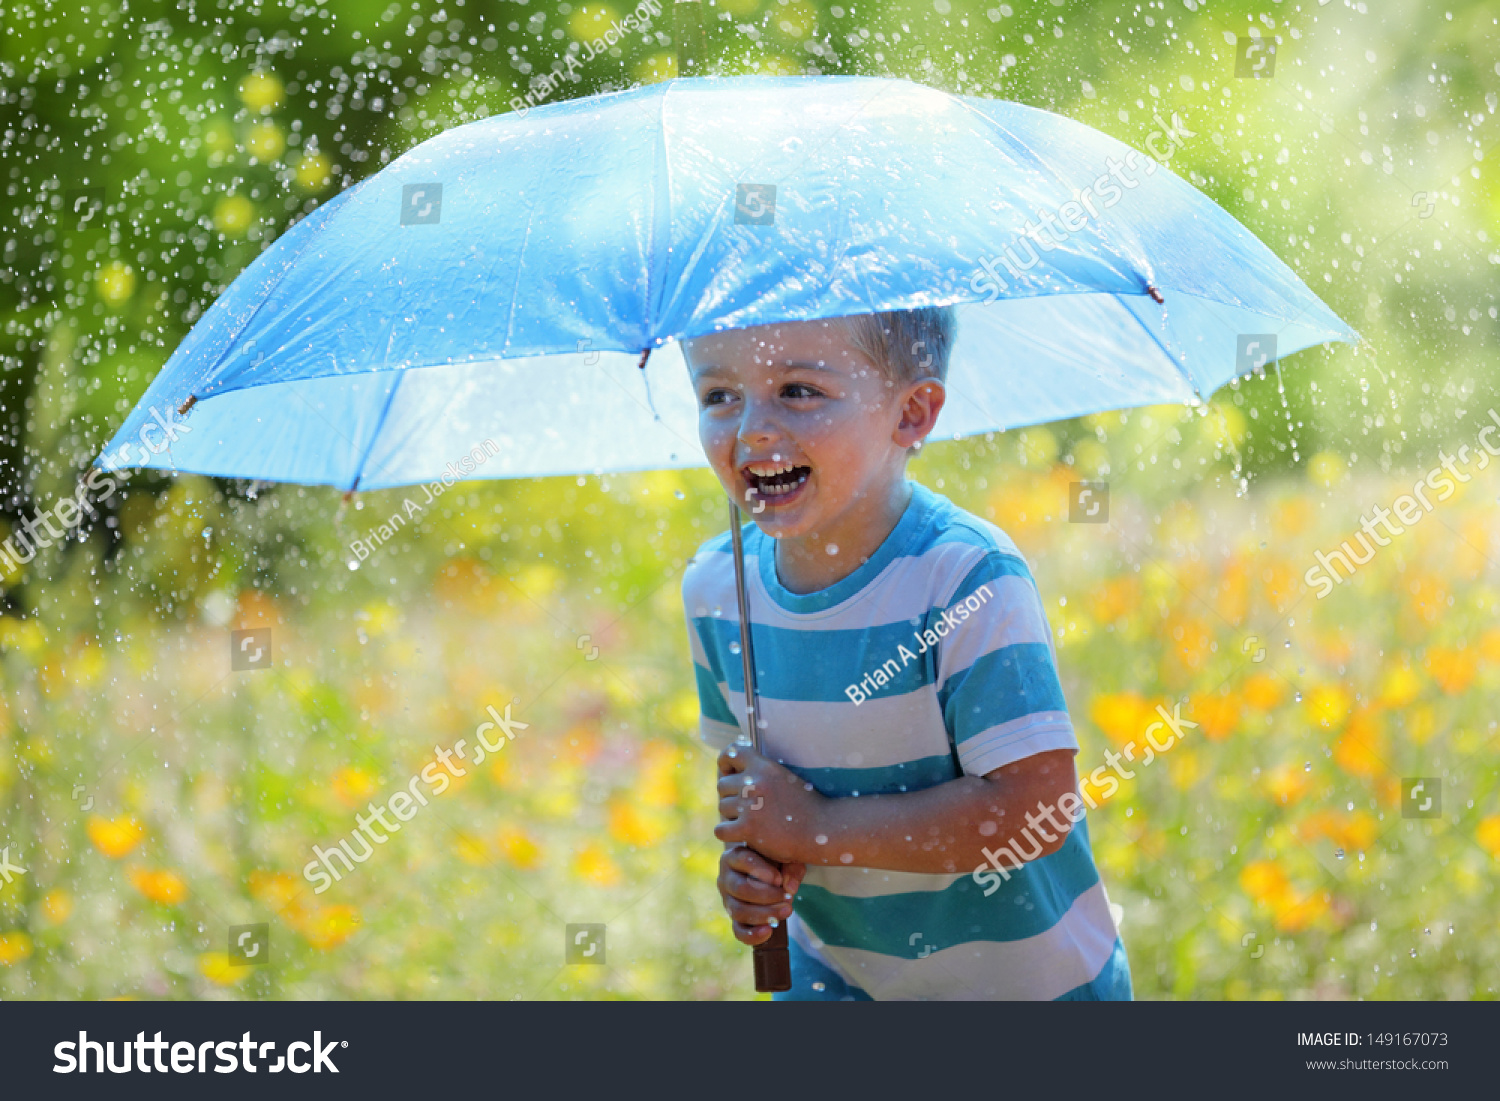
(501,281)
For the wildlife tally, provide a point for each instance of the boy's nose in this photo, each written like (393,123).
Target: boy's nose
(757,426)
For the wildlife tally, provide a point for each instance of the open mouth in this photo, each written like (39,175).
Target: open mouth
(775,479)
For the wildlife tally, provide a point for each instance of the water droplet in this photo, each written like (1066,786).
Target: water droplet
(734,647)
(821,839)
(1413,953)
(1307,767)
(681,496)
(846,858)
(1372,926)
(1299,697)
(1338,854)
(819,986)
(718,611)
(832,548)
(354,563)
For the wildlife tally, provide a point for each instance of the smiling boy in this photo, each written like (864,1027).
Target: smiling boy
(912,713)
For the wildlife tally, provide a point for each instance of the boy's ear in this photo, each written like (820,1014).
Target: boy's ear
(919,412)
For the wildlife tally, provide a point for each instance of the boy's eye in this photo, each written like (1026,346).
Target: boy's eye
(716,397)
(800,390)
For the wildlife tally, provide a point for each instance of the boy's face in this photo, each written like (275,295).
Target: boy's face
(800,427)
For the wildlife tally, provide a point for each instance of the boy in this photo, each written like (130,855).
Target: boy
(914,728)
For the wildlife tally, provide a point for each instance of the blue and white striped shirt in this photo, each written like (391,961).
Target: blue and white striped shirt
(931,660)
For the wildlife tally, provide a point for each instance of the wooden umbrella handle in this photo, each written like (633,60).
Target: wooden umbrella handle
(773,963)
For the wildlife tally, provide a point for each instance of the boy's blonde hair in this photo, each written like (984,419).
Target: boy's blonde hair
(907,344)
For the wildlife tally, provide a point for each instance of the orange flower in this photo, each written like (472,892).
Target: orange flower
(1358,752)
(1263,691)
(594,865)
(1452,669)
(1123,716)
(1264,881)
(159,885)
(329,926)
(276,890)
(1116,599)
(115,837)
(1190,641)
(1216,715)
(631,826)
(1287,783)
(1297,911)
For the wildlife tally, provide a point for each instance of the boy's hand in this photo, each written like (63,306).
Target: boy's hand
(755,891)
(765,806)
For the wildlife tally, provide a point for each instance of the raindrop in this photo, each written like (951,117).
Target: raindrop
(718,612)
(832,548)
(819,986)
(821,839)
(1307,767)
(734,647)
(1413,953)
(354,563)
(681,496)
(1299,697)
(1338,853)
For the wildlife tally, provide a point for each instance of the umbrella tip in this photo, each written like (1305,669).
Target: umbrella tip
(182,409)
(1154,293)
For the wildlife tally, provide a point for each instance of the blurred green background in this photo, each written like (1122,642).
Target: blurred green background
(155,798)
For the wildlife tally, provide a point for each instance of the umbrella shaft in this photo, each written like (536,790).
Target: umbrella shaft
(747,652)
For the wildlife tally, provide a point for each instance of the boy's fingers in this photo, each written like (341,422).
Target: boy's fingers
(731,831)
(737,885)
(744,859)
(750,934)
(747,914)
(735,783)
(733,759)
(792,876)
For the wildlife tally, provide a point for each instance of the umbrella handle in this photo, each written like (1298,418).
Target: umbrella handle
(773,963)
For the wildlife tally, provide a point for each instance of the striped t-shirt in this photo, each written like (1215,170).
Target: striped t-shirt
(862,693)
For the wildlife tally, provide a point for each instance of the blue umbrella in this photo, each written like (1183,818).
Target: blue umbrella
(499,291)
(503,280)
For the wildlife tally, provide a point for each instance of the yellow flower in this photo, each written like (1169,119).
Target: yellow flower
(1400,686)
(1488,835)
(276,890)
(115,837)
(1264,881)
(1122,716)
(1097,794)
(57,906)
(265,142)
(1326,469)
(261,91)
(353,786)
(1328,705)
(471,849)
(14,947)
(1184,769)
(329,926)
(1358,752)
(314,173)
(594,865)
(518,848)
(115,283)
(159,885)
(233,215)
(219,969)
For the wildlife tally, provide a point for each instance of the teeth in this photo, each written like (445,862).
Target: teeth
(778,490)
(769,469)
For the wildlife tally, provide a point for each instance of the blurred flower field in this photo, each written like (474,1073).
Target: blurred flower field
(155,798)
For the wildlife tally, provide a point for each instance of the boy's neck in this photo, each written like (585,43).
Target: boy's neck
(805,565)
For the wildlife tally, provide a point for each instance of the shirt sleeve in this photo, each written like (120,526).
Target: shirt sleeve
(716,722)
(997,671)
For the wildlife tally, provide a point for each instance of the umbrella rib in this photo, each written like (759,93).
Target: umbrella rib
(359,468)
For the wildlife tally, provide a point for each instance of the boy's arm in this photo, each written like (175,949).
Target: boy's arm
(944,829)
